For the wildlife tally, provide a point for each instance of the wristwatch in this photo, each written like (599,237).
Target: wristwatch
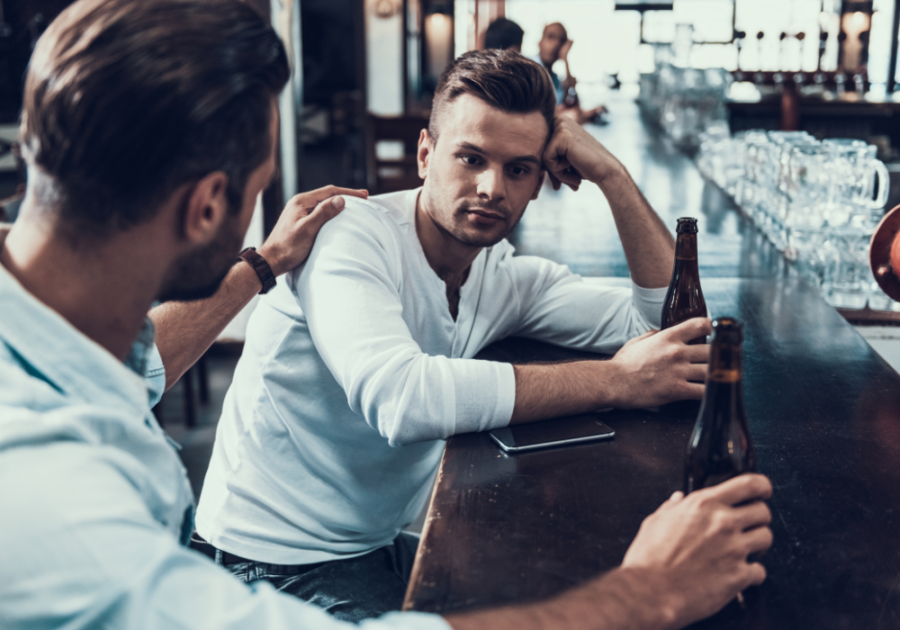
(260,266)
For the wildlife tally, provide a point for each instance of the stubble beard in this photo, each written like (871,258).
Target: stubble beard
(475,237)
(198,275)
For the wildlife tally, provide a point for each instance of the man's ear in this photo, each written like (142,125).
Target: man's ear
(426,146)
(540,184)
(206,206)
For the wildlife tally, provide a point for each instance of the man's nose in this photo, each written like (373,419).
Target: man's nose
(492,184)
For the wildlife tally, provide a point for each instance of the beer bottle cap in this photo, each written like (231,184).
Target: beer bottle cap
(686,225)
(727,330)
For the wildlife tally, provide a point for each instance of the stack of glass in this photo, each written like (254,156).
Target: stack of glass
(818,202)
(685,102)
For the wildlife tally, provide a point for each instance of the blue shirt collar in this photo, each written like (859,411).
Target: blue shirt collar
(71,362)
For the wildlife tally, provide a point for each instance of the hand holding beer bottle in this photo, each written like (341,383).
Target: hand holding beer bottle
(684,300)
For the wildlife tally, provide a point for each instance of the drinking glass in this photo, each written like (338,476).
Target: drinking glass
(859,181)
(846,277)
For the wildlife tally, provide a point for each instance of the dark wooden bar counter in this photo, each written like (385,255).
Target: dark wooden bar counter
(824,411)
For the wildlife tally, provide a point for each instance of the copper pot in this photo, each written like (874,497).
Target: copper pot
(884,254)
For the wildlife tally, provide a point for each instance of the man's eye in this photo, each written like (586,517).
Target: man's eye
(471,160)
(518,171)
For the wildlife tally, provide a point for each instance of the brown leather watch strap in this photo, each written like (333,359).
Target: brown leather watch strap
(260,266)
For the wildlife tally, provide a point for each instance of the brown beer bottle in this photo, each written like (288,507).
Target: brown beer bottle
(720,447)
(684,299)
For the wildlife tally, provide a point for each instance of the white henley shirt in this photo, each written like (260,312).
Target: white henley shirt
(354,372)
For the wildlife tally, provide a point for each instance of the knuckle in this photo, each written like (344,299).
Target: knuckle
(668,350)
(724,522)
(756,573)
(699,505)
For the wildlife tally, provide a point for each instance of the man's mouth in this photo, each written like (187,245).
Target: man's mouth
(486,214)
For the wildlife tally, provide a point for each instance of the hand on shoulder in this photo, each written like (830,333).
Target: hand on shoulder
(295,232)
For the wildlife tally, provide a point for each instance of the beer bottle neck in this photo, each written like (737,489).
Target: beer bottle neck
(686,247)
(723,402)
(725,363)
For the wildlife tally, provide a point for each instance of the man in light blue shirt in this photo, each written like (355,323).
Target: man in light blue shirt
(555,46)
(149,129)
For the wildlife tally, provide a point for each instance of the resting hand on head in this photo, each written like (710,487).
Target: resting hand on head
(564,50)
(573,155)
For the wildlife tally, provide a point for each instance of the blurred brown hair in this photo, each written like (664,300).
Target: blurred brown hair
(126,100)
(501,78)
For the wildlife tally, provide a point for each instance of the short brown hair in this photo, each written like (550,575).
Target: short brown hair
(501,78)
(127,100)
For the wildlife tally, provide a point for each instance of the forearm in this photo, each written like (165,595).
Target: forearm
(648,244)
(561,389)
(185,330)
(621,599)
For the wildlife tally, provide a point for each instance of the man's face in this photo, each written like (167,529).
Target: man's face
(483,170)
(198,274)
(552,41)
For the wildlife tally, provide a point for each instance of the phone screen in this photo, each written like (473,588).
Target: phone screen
(558,432)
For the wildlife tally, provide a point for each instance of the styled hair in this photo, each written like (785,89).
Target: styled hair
(127,100)
(503,33)
(501,78)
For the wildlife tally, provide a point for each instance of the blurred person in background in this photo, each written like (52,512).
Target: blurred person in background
(554,46)
(504,34)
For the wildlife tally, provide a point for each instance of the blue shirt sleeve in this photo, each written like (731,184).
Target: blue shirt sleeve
(155,375)
(79,548)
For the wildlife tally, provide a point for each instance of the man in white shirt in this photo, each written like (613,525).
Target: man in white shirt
(359,366)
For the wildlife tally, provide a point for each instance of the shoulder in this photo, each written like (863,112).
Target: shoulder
(22,386)
(364,221)
(364,236)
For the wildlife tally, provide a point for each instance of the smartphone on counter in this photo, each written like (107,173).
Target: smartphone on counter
(552,433)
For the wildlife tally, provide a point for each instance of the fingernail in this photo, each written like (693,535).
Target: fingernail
(338,202)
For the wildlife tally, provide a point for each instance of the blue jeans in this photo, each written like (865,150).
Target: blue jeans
(351,590)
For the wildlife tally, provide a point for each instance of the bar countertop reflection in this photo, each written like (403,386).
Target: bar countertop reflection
(823,409)
(824,412)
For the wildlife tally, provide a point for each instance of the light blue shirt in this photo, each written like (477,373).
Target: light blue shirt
(95,506)
(557,86)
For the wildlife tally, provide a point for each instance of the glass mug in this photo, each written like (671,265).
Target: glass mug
(856,174)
